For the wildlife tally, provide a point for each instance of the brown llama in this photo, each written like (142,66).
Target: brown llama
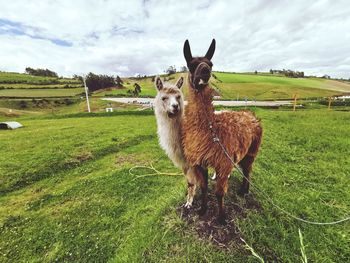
(204,132)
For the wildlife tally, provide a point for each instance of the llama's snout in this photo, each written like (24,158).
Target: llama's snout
(174,110)
(205,73)
(175,107)
(202,75)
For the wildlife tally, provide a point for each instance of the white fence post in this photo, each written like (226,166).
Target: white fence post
(87,94)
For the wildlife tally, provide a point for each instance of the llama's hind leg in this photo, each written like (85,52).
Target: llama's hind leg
(202,178)
(221,189)
(191,186)
(246,164)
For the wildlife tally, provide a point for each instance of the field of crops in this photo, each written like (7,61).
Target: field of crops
(66,193)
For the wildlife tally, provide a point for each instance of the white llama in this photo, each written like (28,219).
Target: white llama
(169,111)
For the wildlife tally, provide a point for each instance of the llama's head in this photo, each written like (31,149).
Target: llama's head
(169,99)
(199,67)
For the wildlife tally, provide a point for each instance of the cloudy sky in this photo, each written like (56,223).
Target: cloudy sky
(145,36)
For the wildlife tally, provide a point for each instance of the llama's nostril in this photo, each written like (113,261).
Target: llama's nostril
(176,107)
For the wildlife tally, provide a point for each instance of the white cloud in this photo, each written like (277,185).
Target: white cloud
(128,37)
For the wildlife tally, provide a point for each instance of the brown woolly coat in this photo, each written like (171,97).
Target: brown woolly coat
(239,132)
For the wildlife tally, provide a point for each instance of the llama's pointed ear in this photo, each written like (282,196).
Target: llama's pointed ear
(211,50)
(158,83)
(180,82)
(187,51)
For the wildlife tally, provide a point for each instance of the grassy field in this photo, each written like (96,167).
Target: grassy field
(40,93)
(18,85)
(13,77)
(34,107)
(66,193)
(33,86)
(262,87)
(147,89)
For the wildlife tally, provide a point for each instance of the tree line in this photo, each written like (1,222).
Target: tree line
(288,73)
(41,72)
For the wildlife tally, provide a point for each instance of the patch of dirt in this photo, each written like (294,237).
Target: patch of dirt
(80,157)
(129,158)
(207,227)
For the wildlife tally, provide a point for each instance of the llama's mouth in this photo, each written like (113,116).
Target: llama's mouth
(200,83)
(172,114)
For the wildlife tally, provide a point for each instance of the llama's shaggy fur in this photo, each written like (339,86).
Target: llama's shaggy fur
(169,111)
(239,132)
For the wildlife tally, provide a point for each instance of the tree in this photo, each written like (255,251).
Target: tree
(183,69)
(137,89)
(119,82)
(271,71)
(171,70)
(41,72)
(96,82)
(80,78)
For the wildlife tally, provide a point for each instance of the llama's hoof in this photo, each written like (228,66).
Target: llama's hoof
(222,220)
(188,205)
(242,192)
(202,211)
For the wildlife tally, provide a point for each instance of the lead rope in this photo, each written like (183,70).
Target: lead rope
(216,139)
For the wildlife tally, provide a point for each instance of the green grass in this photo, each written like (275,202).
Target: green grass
(12,77)
(40,93)
(16,108)
(33,86)
(20,77)
(147,89)
(66,193)
(262,87)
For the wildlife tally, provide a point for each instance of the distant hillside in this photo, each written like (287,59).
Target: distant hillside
(266,86)
(261,86)
(13,85)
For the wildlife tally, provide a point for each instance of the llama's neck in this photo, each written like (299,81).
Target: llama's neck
(200,108)
(169,134)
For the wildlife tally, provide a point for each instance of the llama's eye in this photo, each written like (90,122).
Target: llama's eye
(164,98)
(178,97)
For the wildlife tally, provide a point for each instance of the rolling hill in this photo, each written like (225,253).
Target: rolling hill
(240,86)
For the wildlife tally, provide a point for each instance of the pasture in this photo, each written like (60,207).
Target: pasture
(17,85)
(41,93)
(66,193)
(230,86)
(270,87)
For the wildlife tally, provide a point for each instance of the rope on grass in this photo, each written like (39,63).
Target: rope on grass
(151,168)
(269,199)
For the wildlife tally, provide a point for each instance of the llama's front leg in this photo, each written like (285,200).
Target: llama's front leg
(202,177)
(191,186)
(221,189)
